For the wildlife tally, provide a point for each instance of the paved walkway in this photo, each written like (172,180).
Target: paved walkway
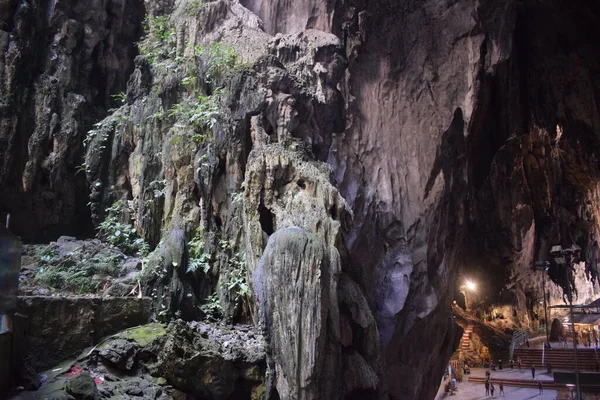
(472,391)
(525,373)
(475,391)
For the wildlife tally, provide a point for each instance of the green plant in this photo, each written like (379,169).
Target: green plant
(159,42)
(157,115)
(212,307)
(193,6)
(85,168)
(188,80)
(121,97)
(121,235)
(201,113)
(74,271)
(158,187)
(47,254)
(219,59)
(104,128)
(197,257)
(237,273)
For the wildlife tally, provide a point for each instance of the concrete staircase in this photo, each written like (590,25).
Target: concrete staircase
(465,341)
(560,358)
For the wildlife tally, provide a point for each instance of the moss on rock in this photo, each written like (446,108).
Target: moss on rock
(82,387)
(143,335)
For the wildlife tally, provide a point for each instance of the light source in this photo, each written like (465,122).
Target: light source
(468,286)
(565,258)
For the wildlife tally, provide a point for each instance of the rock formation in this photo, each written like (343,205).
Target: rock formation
(328,170)
(60,63)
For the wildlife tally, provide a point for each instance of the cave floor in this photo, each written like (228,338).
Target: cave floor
(472,391)
(525,373)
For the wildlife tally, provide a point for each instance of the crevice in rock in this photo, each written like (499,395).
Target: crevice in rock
(267,219)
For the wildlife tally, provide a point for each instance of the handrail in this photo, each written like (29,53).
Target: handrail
(543,354)
(519,337)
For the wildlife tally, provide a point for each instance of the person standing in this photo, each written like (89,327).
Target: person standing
(501,387)
(512,364)
(492,388)
(532,371)
(487,387)
(540,388)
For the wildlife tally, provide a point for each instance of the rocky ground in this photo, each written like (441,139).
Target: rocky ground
(156,361)
(78,267)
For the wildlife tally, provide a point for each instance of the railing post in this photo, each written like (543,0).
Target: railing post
(543,354)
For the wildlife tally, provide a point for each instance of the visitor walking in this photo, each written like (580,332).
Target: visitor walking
(501,387)
(532,371)
(512,364)
(540,388)
(492,388)
(487,387)
(520,363)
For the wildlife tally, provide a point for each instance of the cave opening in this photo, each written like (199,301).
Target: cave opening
(266,219)
(333,212)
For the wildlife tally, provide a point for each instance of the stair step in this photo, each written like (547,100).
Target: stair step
(547,384)
(559,358)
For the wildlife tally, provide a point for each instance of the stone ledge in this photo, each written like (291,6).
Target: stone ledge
(57,328)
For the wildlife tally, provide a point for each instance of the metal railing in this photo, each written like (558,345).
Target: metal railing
(519,337)
(543,354)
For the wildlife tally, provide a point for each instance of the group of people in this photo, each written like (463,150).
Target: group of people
(490,388)
(489,385)
(590,339)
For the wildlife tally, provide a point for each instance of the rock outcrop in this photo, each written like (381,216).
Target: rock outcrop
(56,329)
(155,361)
(60,62)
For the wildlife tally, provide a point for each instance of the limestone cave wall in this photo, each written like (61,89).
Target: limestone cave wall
(378,152)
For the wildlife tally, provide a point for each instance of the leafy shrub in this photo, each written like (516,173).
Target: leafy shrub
(121,235)
(200,113)
(212,307)
(197,257)
(104,128)
(219,60)
(194,6)
(120,97)
(159,42)
(236,277)
(75,272)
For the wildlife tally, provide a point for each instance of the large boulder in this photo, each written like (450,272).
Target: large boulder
(82,387)
(211,361)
